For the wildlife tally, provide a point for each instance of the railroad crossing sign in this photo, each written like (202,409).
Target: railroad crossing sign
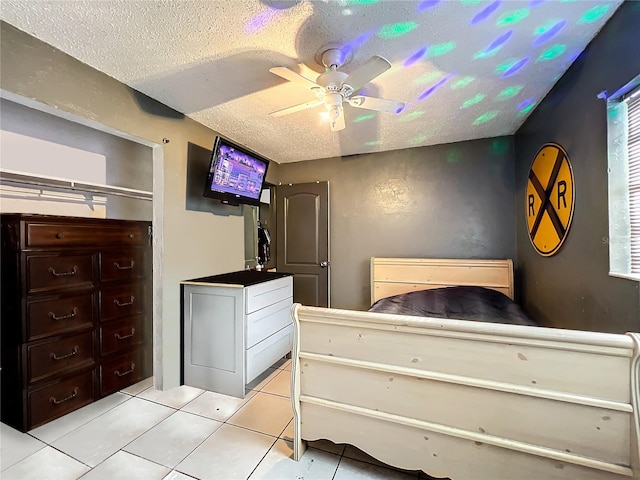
(550,199)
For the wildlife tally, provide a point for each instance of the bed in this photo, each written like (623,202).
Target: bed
(464,399)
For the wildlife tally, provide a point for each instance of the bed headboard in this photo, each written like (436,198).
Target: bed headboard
(392,276)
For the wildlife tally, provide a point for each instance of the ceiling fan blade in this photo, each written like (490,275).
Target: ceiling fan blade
(367,72)
(296,108)
(338,123)
(377,104)
(292,76)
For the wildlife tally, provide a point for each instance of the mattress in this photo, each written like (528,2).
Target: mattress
(461,303)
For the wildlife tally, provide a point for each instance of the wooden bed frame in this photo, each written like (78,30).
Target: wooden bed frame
(466,400)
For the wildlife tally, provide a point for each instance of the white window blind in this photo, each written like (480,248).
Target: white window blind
(623,139)
(633,142)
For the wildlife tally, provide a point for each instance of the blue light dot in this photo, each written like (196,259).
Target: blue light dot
(432,89)
(486,12)
(535,3)
(415,57)
(426,4)
(515,67)
(525,103)
(549,34)
(498,42)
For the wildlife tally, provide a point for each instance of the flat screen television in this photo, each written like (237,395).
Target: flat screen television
(235,175)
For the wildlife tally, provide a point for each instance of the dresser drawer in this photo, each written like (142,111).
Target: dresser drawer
(267,293)
(61,315)
(267,352)
(67,235)
(121,335)
(49,272)
(57,355)
(56,400)
(121,301)
(268,321)
(121,265)
(120,372)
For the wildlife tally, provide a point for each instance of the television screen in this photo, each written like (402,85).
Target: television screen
(235,175)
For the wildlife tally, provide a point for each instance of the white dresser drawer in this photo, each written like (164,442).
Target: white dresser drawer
(267,293)
(268,321)
(267,352)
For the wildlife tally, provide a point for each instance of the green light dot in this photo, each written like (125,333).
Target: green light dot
(554,52)
(463,82)
(509,92)
(470,2)
(594,14)
(363,118)
(412,116)
(418,139)
(428,77)
(453,156)
(503,67)
(373,143)
(472,101)
(485,117)
(483,54)
(515,16)
(500,146)
(440,49)
(526,110)
(396,30)
(545,27)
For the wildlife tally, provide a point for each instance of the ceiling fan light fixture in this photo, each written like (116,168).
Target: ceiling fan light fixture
(334,87)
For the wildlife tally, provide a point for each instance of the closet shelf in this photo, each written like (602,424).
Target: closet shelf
(22,178)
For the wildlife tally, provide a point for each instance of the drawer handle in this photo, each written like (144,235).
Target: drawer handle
(59,235)
(133,367)
(127,267)
(64,317)
(70,354)
(55,401)
(122,337)
(73,271)
(118,304)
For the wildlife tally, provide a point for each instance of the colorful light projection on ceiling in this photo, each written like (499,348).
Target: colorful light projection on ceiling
(509,24)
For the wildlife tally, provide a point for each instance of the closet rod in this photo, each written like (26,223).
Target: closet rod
(21,178)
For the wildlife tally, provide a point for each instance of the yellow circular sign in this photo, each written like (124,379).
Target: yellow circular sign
(549,199)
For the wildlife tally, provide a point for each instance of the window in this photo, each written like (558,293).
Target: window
(623,120)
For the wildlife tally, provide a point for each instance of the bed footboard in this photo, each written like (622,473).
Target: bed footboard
(467,400)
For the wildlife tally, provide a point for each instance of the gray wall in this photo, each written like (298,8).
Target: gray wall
(573,289)
(443,201)
(128,164)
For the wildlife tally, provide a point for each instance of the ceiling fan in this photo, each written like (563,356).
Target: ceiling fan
(333,88)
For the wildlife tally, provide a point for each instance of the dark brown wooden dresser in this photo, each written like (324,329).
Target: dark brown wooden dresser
(76,313)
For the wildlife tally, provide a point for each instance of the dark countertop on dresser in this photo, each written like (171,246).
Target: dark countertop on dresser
(242,278)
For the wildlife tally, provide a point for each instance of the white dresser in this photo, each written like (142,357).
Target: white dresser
(234,327)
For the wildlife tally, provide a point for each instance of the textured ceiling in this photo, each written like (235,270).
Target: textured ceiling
(466,69)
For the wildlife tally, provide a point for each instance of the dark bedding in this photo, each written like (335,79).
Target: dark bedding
(461,303)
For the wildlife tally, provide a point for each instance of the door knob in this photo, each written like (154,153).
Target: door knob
(324,264)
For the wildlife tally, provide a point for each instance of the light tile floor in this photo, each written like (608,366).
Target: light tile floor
(183,433)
